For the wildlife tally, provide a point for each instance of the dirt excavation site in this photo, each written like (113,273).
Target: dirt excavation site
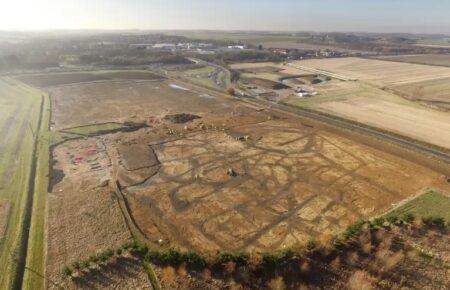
(204,172)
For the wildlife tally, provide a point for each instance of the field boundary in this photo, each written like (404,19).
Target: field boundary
(34,277)
(26,224)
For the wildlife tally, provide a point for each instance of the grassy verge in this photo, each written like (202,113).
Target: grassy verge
(426,205)
(35,263)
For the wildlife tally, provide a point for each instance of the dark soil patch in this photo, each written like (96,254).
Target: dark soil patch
(181,118)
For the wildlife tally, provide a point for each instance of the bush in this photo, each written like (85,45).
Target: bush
(84,264)
(378,222)
(393,219)
(239,258)
(76,265)
(137,248)
(434,221)
(67,271)
(276,259)
(194,259)
(408,218)
(311,245)
(94,259)
(353,230)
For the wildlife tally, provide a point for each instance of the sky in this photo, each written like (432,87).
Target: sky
(413,16)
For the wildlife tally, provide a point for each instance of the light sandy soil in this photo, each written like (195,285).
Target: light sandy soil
(378,71)
(77,105)
(418,123)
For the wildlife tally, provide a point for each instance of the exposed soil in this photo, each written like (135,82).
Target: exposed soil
(292,180)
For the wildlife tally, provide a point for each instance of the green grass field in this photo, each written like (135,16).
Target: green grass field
(429,204)
(20,108)
(35,262)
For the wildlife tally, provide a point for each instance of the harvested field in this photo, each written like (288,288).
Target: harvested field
(428,59)
(434,93)
(418,123)
(388,95)
(378,71)
(48,80)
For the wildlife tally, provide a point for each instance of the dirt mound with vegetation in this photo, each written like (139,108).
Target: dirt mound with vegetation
(181,118)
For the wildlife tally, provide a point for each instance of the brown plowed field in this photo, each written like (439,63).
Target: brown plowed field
(235,178)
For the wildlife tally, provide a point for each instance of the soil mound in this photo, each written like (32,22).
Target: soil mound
(181,118)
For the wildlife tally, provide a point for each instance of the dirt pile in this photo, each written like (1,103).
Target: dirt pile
(181,118)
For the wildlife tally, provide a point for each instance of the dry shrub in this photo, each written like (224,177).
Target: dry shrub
(391,261)
(230,267)
(168,275)
(206,274)
(366,248)
(277,284)
(255,261)
(336,264)
(305,267)
(236,286)
(182,272)
(412,254)
(325,243)
(386,243)
(361,280)
(352,258)
(303,287)
(364,238)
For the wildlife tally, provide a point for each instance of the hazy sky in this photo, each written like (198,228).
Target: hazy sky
(422,16)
